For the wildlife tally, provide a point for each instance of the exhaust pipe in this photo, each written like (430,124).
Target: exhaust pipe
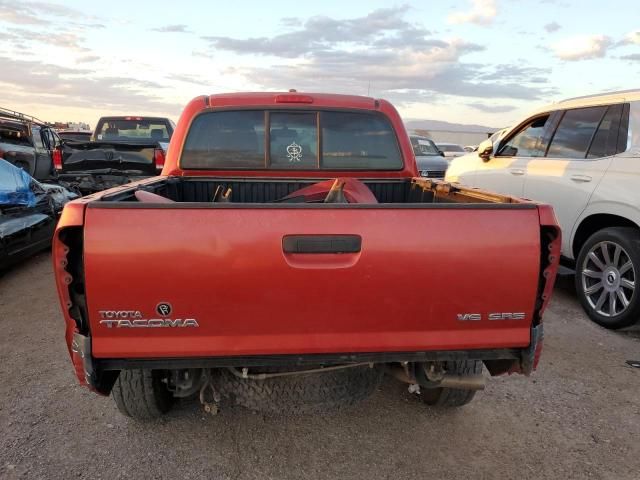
(462,382)
(467,382)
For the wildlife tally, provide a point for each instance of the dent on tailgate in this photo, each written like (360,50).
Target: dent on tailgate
(418,274)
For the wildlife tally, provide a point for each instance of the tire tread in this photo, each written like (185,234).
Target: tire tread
(141,395)
(301,394)
(454,397)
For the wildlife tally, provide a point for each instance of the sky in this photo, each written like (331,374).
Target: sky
(486,62)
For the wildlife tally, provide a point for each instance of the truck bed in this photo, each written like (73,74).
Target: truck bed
(433,263)
(269,190)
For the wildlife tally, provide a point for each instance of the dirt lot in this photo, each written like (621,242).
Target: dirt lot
(577,417)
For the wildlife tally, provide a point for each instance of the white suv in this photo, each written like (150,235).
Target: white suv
(582,156)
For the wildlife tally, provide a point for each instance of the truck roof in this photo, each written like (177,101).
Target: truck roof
(289,100)
(292,98)
(132,117)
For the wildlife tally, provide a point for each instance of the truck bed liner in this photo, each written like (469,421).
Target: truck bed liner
(256,191)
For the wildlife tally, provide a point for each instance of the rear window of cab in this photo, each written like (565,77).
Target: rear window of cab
(291,140)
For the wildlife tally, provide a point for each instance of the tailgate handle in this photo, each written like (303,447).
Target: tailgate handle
(321,243)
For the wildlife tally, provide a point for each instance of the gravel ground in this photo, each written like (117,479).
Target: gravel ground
(577,417)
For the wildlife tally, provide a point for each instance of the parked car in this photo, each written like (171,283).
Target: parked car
(451,150)
(470,148)
(582,156)
(251,278)
(75,135)
(122,150)
(430,161)
(29,144)
(28,213)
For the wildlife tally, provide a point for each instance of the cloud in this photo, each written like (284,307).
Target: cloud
(33,13)
(632,38)
(290,22)
(483,107)
(632,56)
(582,47)
(396,59)
(60,39)
(403,75)
(517,73)
(53,85)
(88,59)
(552,27)
(186,78)
(482,12)
(172,29)
(321,32)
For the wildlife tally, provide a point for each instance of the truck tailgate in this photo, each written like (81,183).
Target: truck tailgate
(421,280)
(101,156)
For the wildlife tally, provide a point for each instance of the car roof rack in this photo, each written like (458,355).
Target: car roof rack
(5,113)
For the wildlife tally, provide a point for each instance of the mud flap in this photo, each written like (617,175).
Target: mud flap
(530,356)
(99,382)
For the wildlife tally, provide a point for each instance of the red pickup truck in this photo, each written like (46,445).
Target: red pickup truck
(288,256)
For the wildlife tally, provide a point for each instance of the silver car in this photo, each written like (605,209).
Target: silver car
(430,160)
(451,150)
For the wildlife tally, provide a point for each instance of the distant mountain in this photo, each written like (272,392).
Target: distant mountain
(451,127)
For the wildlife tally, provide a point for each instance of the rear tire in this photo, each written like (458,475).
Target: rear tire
(300,394)
(141,394)
(453,397)
(615,267)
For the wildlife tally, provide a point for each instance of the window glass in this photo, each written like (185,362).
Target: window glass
(423,147)
(37,139)
(225,140)
(606,139)
(14,134)
(236,139)
(46,139)
(50,139)
(448,147)
(133,130)
(358,141)
(632,122)
(294,140)
(574,133)
(496,137)
(527,142)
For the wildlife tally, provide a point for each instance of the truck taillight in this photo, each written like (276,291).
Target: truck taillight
(158,157)
(57,159)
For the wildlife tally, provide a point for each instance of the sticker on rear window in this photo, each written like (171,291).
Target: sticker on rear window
(294,152)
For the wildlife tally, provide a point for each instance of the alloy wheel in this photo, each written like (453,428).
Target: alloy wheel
(608,278)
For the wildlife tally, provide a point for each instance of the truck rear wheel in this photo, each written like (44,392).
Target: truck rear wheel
(304,393)
(453,397)
(141,394)
(606,271)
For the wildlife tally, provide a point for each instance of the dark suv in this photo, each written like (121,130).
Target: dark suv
(29,144)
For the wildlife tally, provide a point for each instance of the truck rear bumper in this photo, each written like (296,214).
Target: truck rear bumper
(310,359)
(100,373)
